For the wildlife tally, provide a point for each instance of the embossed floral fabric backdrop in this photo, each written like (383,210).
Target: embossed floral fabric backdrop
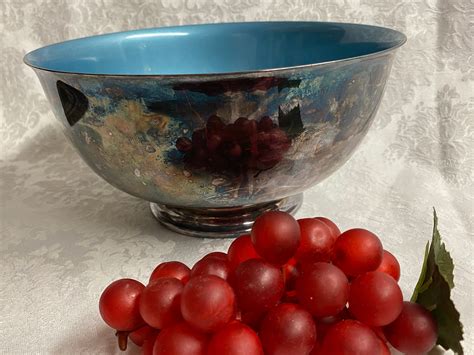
(65,233)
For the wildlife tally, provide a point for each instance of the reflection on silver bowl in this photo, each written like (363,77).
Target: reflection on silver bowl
(214,124)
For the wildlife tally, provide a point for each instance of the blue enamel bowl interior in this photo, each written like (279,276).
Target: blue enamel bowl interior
(215,48)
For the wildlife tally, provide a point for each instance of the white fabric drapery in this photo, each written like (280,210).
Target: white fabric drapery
(65,233)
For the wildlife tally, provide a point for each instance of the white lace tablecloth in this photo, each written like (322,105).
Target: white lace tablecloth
(65,233)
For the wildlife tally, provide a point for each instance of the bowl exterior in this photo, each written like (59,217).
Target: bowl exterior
(272,134)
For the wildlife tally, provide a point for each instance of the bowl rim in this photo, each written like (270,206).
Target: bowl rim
(242,73)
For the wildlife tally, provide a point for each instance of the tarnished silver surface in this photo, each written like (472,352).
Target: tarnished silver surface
(219,140)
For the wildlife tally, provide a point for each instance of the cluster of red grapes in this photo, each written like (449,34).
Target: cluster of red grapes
(242,144)
(290,287)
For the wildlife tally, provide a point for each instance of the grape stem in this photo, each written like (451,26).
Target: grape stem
(122,338)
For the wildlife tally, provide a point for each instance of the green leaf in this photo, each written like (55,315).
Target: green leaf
(420,285)
(433,291)
(442,258)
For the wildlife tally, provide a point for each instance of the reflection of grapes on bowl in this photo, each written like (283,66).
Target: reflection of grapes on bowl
(242,145)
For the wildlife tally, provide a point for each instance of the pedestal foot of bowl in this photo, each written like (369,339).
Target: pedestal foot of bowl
(219,222)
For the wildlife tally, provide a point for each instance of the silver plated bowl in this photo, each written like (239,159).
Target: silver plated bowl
(214,124)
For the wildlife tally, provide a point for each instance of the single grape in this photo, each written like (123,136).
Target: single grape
(322,289)
(199,138)
(271,146)
(200,156)
(214,124)
(414,331)
(207,302)
(160,302)
(316,243)
(258,285)
(317,349)
(288,329)
(276,236)
(241,250)
(235,338)
(180,339)
(213,142)
(241,121)
(324,324)
(216,255)
(265,124)
(148,344)
(357,251)
(335,231)
(274,139)
(379,332)
(184,144)
(250,128)
(211,266)
(174,269)
(141,334)
(268,159)
(119,305)
(384,350)
(350,337)
(375,298)
(390,265)
(234,151)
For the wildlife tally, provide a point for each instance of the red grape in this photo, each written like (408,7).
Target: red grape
(199,138)
(265,124)
(207,302)
(241,121)
(276,236)
(119,304)
(171,269)
(141,334)
(414,331)
(148,344)
(241,250)
(216,255)
(331,225)
(357,251)
(322,289)
(350,337)
(270,148)
(211,266)
(316,241)
(324,324)
(200,156)
(258,285)
(160,302)
(184,144)
(288,329)
(390,265)
(214,124)
(213,141)
(234,151)
(235,338)
(375,298)
(317,349)
(180,339)
(384,350)
(379,332)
